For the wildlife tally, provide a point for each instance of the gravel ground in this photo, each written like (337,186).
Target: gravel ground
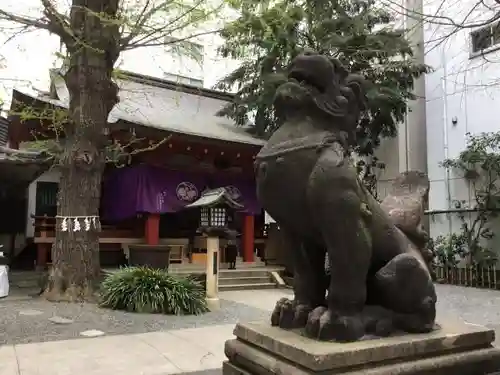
(472,305)
(19,329)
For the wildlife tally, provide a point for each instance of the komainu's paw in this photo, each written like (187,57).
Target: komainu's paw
(378,321)
(325,324)
(422,321)
(289,314)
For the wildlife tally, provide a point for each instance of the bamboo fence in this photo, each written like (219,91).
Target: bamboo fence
(479,277)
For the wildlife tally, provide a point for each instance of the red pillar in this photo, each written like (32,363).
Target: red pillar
(43,249)
(248,238)
(42,254)
(152,229)
(14,133)
(14,144)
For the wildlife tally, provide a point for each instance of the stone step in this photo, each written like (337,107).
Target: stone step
(24,279)
(232,274)
(242,276)
(244,280)
(24,284)
(201,268)
(258,286)
(262,272)
(24,275)
(183,271)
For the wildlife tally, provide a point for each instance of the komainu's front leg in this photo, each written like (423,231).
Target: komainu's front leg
(309,285)
(349,248)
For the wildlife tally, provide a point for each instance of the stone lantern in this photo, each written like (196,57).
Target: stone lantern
(215,207)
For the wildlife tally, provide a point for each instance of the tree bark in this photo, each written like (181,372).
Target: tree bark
(93,48)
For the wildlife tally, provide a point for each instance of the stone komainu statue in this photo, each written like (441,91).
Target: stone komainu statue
(379,279)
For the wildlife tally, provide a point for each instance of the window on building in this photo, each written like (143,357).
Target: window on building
(187,58)
(485,37)
(46,198)
(185,80)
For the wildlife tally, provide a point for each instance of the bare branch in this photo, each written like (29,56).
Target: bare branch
(57,20)
(443,20)
(165,28)
(159,40)
(37,23)
(144,16)
(121,155)
(23,29)
(145,32)
(31,22)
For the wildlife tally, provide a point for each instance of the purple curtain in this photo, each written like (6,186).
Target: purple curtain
(242,190)
(119,198)
(145,188)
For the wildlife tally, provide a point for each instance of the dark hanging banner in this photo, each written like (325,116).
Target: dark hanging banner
(216,256)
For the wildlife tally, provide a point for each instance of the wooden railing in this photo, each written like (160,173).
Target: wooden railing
(471,276)
(113,239)
(45,227)
(45,230)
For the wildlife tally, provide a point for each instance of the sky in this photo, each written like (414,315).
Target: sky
(25,59)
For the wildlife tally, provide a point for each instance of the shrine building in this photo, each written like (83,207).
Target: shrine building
(142,200)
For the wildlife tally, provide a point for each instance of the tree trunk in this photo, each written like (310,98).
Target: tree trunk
(93,51)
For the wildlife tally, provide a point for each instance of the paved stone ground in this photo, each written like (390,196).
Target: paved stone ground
(34,320)
(479,306)
(27,320)
(207,372)
(171,349)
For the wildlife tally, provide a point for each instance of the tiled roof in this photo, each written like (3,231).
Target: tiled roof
(20,167)
(167,106)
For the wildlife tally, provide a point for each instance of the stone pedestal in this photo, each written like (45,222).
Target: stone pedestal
(454,349)
(213,301)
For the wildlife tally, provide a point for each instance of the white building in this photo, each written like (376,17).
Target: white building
(462,96)
(25,58)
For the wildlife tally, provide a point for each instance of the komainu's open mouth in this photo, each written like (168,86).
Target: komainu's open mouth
(305,77)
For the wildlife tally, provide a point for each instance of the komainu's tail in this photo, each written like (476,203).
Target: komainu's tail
(405,205)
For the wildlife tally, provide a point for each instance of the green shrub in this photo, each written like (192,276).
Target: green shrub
(148,290)
(200,278)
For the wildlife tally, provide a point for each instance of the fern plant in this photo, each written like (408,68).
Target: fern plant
(149,290)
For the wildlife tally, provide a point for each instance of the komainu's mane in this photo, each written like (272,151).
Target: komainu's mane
(327,86)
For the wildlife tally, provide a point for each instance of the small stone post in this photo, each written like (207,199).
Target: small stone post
(213,273)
